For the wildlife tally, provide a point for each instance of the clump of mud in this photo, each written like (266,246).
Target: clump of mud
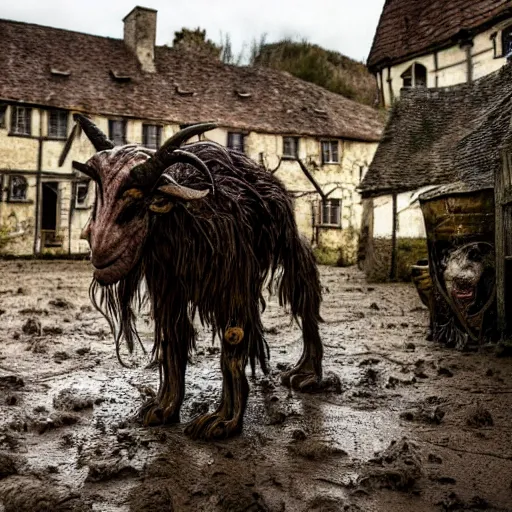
(61,303)
(328,504)
(429,411)
(315,450)
(8,465)
(32,327)
(71,400)
(100,471)
(152,496)
(399,468)
(478,416)
(28,494)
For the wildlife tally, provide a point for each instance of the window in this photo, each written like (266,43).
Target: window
(117,131)
(415,76)
(3,113)
(58,124)
(330,152)
(506,42)
(329,213)
(151,136)
(290,147)
(82,189)
(17,188)
(236,141)
(20,120)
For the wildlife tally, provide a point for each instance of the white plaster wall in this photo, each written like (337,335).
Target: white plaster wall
(452,66)
(340,179)
(410,217)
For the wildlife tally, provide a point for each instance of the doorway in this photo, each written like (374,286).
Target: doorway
(49,213)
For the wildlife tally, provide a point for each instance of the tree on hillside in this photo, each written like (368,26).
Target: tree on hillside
(329,69)
(196,40)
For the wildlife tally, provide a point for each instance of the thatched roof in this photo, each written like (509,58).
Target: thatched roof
(59,68)
(408,28)
(441,136)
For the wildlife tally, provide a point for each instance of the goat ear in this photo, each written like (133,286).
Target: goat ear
(184,193)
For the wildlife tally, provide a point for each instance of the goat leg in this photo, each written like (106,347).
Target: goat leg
(165,408)
(307,374)
(227,420)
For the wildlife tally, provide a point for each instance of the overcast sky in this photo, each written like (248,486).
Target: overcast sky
(347,26)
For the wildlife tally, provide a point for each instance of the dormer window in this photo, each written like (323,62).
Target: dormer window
(60,72)
(236,141)
(119,77)
(415,76)
(57,124)
(506,42)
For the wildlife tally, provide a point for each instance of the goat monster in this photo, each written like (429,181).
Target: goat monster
(204,227)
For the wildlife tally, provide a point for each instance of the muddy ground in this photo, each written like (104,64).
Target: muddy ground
(412,426)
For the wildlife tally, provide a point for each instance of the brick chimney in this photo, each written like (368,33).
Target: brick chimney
(140,35)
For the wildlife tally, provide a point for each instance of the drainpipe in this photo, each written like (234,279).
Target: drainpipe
(71,212)
(38,211)
(394,247)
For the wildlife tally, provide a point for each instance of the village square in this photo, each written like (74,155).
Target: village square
(258,277)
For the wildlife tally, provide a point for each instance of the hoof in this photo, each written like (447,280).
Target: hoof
(153,415)
(212,427)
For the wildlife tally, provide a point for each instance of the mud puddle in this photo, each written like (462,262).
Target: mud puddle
(411,427)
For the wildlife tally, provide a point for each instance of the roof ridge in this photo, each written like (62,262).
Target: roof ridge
(48,27)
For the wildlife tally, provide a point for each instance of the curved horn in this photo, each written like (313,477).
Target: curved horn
(94,134)
(148,173)
(86,169)
(182,136)
(145,177)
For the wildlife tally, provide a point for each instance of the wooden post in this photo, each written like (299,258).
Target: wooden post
(39,194)
(500,247)
(394,247)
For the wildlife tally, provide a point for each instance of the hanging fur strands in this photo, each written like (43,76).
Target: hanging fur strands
(204,228)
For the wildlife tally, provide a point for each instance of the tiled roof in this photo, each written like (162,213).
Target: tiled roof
(441,136)
(187,87)
(413,27)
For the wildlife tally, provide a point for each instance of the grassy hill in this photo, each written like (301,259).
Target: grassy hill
(326,68)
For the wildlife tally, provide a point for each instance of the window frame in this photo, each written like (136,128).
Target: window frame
(58,136)
(10,197)
(145,127)
(296,142)
(3,115)
(240,146)
(82,205)
(111,124)
(331,143)
(14,121)
(506,31)
(324,213)
(411,73)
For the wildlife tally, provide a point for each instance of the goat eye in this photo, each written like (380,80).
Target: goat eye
(129,212)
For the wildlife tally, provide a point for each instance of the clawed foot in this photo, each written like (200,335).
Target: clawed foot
(213,426)
(154,413)
(302,378)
